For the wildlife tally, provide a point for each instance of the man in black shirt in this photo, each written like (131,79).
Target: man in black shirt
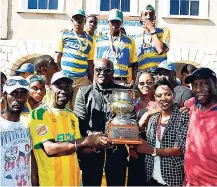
(92,109)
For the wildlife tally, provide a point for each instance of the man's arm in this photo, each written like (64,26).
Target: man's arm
(159,45)
(67,148)
(134,70)
(57,59)
(90,69)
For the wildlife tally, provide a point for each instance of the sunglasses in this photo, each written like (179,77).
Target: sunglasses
(104,70)
(12,82)
(146,83)
(36,78)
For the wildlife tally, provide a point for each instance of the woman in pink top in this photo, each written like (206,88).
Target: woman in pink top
(144,103)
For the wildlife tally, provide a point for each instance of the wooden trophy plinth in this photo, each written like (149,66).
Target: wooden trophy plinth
(124,134)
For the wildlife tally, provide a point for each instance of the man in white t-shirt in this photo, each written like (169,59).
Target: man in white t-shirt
(15,136)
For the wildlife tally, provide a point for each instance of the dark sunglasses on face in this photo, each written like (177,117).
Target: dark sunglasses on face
(104,70)
(115,22)
(146,83)
(12,82)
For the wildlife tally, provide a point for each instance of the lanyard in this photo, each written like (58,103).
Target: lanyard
(81,48)
(144,43)
(112,45)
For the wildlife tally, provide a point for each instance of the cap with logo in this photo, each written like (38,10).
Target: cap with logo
(170,66)
(115,14)
(79,12)
(150,7)
(201,73)
(34,78)
(60,75)
(26,68)
(15,82)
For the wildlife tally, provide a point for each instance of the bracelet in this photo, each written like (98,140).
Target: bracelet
(76,148)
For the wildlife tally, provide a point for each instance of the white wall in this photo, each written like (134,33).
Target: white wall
(191,33)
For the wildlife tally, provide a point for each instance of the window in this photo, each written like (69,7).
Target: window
(123,5)
(43,4)
(128,7)
(184,7)
(193,9)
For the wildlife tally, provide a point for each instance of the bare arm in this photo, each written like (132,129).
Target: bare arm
(57,59)
(68,148)
(90,69)
(134,69)
(166,152)
(159,45)
(34,171)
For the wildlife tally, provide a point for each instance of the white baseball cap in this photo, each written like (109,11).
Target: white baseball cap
(15,82)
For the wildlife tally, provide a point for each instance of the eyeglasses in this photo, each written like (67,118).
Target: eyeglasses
(12,82)
(146,83)
(36,78)
(104,70)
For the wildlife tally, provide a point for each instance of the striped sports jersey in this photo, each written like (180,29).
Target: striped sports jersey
(147,55)
(59,125)
(75,56)
(126,52)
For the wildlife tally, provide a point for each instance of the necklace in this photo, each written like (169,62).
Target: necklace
(85,42)
(112,47)
(160,123)
(146,41)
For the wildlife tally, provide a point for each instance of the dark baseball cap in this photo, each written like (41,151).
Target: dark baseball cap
(201,73)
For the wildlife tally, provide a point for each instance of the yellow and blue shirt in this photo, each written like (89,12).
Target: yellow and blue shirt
(126,52)
(56,125)
(74,57)
(147,55)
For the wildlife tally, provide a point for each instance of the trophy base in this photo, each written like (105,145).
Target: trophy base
(126,141)
(124,134)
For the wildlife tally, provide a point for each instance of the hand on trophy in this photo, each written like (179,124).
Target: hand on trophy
(97,141)
(144,148)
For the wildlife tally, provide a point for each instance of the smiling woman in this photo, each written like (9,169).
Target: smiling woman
(166,135)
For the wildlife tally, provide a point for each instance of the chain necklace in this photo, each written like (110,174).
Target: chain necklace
(148,38)
(112,47)
(85,42)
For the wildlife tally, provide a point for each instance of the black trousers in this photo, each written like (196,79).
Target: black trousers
(154,182)
(115,168)
(136,171)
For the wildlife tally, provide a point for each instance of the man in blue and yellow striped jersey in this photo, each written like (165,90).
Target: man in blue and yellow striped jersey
(152,43)
(75,54)
(117,47)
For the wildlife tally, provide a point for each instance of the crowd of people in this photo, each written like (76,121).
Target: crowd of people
(54,112)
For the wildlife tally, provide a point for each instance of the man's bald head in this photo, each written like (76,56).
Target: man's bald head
(103,71)
(104,62)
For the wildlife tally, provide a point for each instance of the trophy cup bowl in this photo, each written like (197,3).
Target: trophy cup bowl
(121,129)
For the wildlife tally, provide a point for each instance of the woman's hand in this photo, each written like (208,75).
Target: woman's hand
(144,148)
(145,117)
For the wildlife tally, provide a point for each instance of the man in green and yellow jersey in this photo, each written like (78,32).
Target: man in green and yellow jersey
(56,137)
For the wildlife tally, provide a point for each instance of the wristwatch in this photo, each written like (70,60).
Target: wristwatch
(154,152)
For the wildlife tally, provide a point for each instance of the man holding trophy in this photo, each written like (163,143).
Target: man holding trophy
(92,107)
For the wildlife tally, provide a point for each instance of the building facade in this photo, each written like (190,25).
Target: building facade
(31,27)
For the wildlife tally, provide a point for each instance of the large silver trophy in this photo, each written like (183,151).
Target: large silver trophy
(121,129)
